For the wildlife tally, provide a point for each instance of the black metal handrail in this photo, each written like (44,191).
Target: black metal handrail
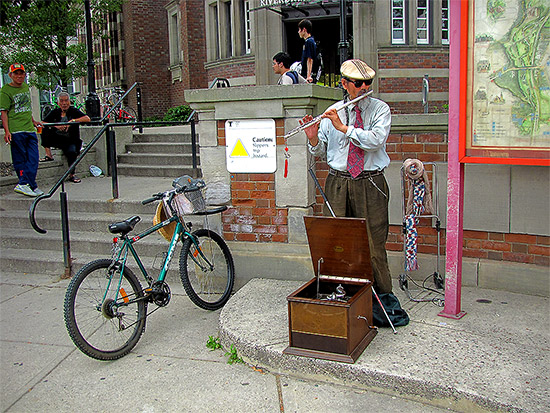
(219,82)
(107,127)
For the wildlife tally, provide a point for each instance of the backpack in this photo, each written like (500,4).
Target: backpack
(293,75)
(318,65)
(397,315)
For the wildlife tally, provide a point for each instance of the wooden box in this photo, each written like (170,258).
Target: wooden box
(328,329)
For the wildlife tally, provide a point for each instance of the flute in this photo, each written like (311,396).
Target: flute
(317,119)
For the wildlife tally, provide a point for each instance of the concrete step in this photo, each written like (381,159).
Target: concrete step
(162,138)
(82,242)
(159,148)
(126,208)
(50,172)
(167,159)
(15,221)
(52,262)
(154,171)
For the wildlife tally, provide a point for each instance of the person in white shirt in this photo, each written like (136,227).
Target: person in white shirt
(354,143)
(281,66)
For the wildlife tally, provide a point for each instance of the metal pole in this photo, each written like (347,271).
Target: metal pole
(343,45)
(455,170)
(111,150)
(194,147)
(318,185)
(425,91)
(92,100)
(139,108)
(65,232)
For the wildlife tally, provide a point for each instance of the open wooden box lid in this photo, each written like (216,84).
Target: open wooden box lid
(343,243)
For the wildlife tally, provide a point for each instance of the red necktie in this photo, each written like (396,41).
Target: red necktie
(356,155)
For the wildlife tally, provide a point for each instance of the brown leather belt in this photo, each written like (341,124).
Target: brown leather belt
(362,175)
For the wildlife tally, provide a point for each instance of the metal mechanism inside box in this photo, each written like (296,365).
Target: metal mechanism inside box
(330,317)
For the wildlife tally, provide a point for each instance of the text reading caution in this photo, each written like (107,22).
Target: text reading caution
(251,146)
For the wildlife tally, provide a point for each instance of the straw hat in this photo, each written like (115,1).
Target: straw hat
(168,231)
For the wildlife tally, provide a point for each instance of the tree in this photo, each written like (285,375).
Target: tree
(42,34)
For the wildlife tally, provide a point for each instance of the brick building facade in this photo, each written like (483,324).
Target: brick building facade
(178,45)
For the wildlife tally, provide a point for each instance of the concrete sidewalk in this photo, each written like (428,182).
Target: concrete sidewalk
(170,370)
(495,358)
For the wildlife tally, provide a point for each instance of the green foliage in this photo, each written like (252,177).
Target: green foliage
(42,35)
(233,356)
(213,343)
(178,113)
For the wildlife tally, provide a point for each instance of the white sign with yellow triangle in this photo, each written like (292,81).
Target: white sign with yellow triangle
(251,146)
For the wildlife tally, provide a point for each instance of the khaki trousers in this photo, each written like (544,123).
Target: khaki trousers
(360,198)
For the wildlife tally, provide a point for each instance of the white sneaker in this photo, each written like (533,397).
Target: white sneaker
(25,190)
(38,191)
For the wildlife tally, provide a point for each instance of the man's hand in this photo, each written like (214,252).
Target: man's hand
(7,137)
(332,114)
(311,131)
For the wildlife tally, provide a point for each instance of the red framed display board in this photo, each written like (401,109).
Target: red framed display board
(505,78)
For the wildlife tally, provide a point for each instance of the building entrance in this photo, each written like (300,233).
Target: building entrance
(326,31)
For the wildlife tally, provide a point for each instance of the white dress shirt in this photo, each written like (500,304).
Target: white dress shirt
(372,139)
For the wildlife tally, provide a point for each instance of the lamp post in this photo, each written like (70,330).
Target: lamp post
(92,100)
(343,45)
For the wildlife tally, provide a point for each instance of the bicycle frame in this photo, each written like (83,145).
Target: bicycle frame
(128,245)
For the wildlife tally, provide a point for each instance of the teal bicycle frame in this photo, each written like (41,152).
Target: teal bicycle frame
(179,232)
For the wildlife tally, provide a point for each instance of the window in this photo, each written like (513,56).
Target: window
(398,22)
(230,33)
(445,21)
(215,46)
(174,34)
(422,22)
(416,22)
(227,40)
(247,30)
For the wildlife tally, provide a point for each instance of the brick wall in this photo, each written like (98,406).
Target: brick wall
(416,107)
(253,215)
(522,248)
(413,60)
(410,84)
(432,147)
(193,44)
(231,70)
(146,54)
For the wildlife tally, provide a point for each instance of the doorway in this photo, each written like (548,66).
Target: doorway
(326,32)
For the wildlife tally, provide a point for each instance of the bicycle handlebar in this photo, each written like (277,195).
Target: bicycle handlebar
(155,197)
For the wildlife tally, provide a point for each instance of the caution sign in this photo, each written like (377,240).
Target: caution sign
(251,146)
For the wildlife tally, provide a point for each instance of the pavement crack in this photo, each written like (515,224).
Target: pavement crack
(280,393)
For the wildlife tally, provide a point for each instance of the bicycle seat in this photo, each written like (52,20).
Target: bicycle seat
(124,227)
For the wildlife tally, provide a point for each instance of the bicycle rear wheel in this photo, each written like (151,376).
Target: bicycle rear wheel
(101,316)
(208,278)
(126,115)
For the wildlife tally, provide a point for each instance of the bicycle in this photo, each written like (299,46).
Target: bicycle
(121,114)
(105,307)
(51,103)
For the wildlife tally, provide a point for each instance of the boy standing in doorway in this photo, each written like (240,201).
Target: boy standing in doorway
(309,51)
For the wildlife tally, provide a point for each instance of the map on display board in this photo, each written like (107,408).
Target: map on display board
(251,146)
(511,75)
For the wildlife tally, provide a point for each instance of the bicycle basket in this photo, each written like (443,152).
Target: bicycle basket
(187,203)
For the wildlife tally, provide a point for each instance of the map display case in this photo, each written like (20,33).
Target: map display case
(505,106)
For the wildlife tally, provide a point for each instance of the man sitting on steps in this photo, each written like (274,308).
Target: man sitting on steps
(64,137)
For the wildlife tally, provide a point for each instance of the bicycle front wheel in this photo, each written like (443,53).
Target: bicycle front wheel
(103,313)
(206,269)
